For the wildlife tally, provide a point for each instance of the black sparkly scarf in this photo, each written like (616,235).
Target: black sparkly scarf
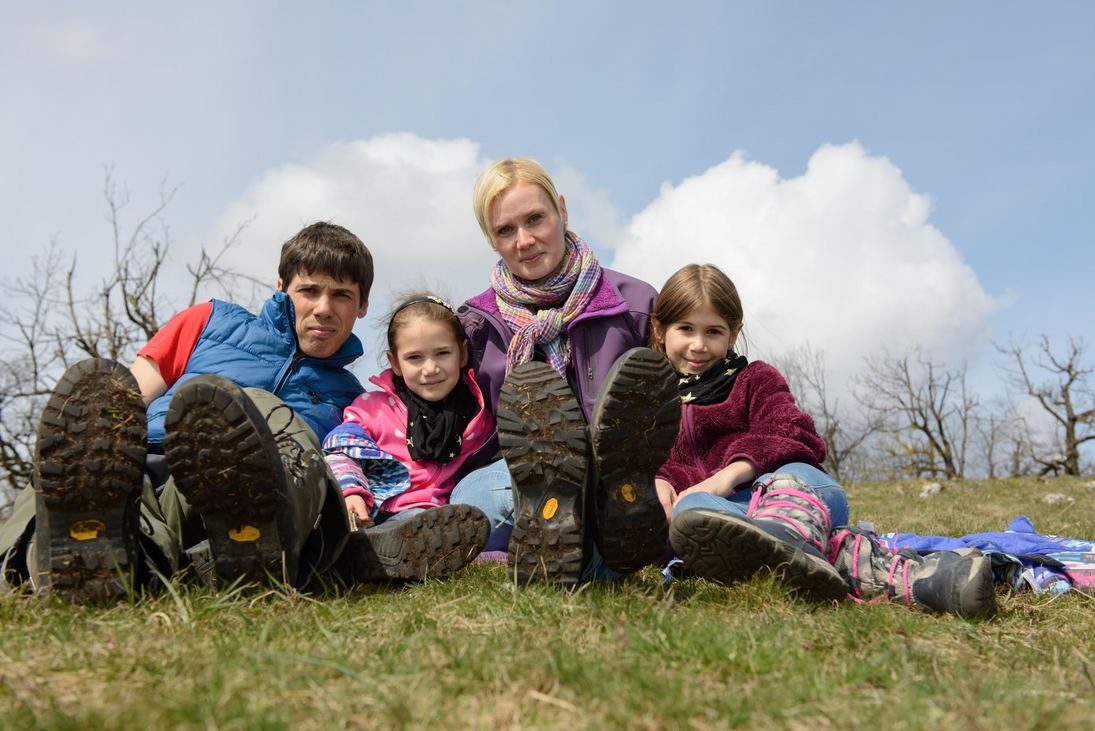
(712,385)
(435,429)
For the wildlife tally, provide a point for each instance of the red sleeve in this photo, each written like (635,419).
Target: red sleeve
(172,345)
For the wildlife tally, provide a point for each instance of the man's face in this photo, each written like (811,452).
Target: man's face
(325,311)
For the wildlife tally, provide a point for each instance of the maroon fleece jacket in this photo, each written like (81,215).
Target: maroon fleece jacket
(758,421)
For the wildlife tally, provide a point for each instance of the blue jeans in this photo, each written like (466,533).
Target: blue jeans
(490,489)
(830,493)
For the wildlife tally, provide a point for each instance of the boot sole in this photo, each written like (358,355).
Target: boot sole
(89,462)
(226,463)
(434,543)
(728,548)
(541,430)
(635,423)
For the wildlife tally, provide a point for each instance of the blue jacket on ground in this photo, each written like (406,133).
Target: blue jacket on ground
(260,351)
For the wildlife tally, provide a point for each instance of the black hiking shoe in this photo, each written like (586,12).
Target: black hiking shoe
(785,531)
(542,433)
(635,422)
(89,466)
(433,543)
(226,463)
(955,582)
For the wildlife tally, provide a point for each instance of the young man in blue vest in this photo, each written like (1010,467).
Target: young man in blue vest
(205,453)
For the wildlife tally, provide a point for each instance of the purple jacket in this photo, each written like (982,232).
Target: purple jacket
(616,320)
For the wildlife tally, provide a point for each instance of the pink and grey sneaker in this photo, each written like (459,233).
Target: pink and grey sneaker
(785,530)
(942,581)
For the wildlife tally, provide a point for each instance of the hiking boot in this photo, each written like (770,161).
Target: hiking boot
(89,465)
(785,530)
(635,422)
(434,543)
(226,463)
(941,581)
(541,431)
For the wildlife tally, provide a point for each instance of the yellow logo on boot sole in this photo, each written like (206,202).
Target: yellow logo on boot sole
(550,508)
(244,534)
(628,492)
(87,530)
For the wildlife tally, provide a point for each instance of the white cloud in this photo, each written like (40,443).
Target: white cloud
(407,198)
(842,256)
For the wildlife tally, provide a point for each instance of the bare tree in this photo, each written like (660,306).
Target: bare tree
(1004,440)
(1060,383)
(927,410)
(50,321)
(845,435)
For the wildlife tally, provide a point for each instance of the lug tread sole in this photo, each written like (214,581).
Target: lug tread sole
(541,430)
(226,463)
(727,548)
(434,543)
(635,425)
(89,463)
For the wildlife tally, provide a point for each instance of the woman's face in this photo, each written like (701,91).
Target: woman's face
(527,232)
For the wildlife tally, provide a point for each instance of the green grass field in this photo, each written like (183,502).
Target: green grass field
(477,652)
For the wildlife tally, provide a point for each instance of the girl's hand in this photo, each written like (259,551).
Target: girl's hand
(723,482)
(359,512)
(667,496)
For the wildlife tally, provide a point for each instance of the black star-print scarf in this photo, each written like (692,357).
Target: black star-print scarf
(712,385)
(435,429)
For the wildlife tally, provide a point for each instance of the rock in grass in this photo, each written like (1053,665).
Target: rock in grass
(931,489)
(1056,498)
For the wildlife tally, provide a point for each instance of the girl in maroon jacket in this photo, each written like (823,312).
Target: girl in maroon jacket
(743,483)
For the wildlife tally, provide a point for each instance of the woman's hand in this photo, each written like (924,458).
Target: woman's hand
(667,496)
(359,512)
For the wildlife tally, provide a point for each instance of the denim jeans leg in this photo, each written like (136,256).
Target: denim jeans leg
(490,489)
(737,503)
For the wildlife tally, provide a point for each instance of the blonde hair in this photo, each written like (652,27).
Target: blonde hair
(692,286)
(503,175)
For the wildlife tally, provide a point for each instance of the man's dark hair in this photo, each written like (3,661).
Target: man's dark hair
(326,248)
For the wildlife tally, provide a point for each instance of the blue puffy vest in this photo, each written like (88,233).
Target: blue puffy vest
(261,352)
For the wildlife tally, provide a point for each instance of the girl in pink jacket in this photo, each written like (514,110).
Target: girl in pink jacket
(399,448)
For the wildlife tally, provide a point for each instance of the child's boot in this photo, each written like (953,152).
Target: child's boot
(786,530)
(541,431)
(941,581)
(226,463)
(434,543)
(89,466)
(635,422)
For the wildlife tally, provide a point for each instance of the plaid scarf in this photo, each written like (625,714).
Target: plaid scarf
(538,312)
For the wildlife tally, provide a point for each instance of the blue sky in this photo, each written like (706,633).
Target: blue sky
(980,113)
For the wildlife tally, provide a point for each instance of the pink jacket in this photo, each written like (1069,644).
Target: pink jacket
(384,417)
(758,421)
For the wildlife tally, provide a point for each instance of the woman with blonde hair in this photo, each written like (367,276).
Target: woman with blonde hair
(586,413)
